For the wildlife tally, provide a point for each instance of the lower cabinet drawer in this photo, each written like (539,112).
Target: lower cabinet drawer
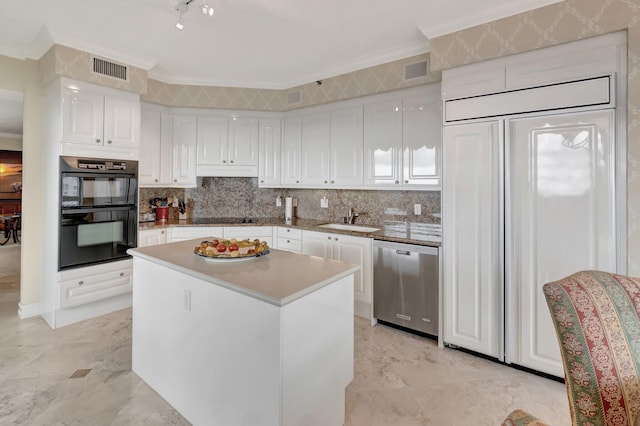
(92,288)
(290,245)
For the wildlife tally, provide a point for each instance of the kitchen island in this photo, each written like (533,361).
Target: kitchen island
(266,341)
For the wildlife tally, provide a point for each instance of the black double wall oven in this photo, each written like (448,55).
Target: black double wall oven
(98,210)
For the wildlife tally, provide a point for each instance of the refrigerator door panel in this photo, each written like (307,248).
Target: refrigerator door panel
(562,219)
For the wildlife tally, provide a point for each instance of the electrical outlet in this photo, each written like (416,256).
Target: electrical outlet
(417,209)
(324,203)
(278,201)
(187,300)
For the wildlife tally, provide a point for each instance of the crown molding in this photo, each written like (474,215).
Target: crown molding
(485,16)
(10,135)
(395,54)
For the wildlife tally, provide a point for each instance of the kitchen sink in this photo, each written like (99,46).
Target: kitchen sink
(347,227)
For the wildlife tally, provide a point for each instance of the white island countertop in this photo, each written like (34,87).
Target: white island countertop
(278,278)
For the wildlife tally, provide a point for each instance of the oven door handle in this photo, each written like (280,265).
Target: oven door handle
(100,209)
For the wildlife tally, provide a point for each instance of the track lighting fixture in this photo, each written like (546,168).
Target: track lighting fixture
(206,9)
(183,5)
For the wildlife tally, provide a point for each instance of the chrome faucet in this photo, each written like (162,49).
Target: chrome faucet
(351,216)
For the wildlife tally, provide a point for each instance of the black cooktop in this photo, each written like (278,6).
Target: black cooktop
(229,220)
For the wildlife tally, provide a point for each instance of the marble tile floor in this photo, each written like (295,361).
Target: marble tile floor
(400,379)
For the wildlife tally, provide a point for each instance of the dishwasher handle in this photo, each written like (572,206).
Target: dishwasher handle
(403,252)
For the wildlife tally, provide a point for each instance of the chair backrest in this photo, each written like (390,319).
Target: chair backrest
(597,320)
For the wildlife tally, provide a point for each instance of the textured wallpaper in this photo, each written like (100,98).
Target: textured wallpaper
(368,81)
(179,95)
(567,21)
(68,62)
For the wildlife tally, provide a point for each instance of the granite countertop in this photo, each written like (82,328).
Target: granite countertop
(278,278)
(396,231)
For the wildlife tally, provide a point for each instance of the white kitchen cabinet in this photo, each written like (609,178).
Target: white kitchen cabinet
(383,143)
(93,284)
(270,157)
(421,138)
(83,293)
(213,140)
(227,146)
(292,151)
(264,233)
(184,150)
(152,237)
(244,141)
(402,140)
(330,148)
(99,122)
(166,157)
(346,248)
(150,147)
(289,239)
(181,233)
(316,149)
(471,250)
(346,147)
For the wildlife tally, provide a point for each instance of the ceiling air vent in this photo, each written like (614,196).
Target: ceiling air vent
(110,69)
(293,97)
(419,69)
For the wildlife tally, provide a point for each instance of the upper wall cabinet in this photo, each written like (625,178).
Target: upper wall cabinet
(270,160)
(99,122)
(292,152)
(386,141)
(402,140)
(183,172)
(167,148)
(228,146)
(315,149)
(322,148)
(557,64)
(346,147)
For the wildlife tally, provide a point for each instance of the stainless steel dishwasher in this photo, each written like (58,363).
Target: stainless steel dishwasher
(405,285)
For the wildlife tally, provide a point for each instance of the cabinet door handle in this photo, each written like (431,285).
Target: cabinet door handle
(332,181)
(109,141)
(161,232)
(288,241)
(326,181)
(224,161)
(406,181)
(231,161)
(156,180)
(397,182)
(122,274)
(80,282)
(328,238)
(175,181)
(297,181)
(262,181)
(288,230)
(336,239)
(98,141)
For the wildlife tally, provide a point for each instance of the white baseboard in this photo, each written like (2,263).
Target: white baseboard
(28,311)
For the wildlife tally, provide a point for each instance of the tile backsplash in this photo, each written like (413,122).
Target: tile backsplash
(241,197)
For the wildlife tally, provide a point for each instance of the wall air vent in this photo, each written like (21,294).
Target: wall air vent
(293,98)
(417,70)
(110,69)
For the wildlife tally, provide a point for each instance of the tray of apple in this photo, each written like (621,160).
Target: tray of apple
(232,249)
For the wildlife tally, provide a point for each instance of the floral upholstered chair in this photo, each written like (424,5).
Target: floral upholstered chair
(597,320)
